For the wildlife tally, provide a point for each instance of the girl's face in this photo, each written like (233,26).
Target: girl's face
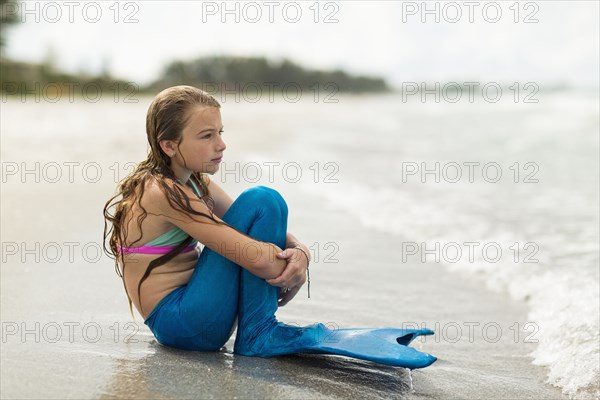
(201,147)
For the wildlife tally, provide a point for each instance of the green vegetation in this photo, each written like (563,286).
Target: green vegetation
(20,78)
(212,74)
(241,73)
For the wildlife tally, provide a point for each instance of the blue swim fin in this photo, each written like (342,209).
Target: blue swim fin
(387,346)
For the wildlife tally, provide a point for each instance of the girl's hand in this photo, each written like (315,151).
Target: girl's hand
(294,274)
(286,295)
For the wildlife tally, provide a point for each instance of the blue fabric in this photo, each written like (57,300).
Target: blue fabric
(201,315)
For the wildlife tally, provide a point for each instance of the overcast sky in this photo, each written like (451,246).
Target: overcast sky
(385,39)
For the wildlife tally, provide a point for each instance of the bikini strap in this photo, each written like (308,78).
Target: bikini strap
(195,188)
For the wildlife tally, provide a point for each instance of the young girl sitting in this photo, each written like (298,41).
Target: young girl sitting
(249,265)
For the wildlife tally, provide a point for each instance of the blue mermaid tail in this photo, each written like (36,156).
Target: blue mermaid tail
(387,346)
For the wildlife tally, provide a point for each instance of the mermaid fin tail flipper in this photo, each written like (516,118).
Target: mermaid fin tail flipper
(401,336)
(387,346)
(384,346)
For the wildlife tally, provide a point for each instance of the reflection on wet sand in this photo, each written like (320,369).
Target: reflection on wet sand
(171,373)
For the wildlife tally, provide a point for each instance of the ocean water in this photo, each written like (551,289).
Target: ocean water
(506,192)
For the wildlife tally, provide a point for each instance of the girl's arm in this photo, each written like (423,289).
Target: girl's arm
(257,257)
(223,201)
(295,262)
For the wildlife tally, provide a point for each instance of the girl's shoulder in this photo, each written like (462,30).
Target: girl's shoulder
(158,192)
(153,188)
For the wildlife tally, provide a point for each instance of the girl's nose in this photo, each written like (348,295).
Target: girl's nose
(221,145)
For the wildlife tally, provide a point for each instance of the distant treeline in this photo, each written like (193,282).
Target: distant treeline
(17,78)
(214,73)
(229,73)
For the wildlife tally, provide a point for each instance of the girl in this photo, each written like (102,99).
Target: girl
(250,264)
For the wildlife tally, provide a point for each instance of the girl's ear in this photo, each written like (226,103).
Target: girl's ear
(168,147)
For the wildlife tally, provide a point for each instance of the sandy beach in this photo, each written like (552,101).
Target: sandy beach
(66,328)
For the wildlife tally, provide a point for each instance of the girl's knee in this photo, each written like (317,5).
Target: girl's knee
(266,195)
(261,190)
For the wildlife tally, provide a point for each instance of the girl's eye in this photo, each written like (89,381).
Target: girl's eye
(210,134)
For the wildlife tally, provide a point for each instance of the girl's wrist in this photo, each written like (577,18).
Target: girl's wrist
(305,254)
(291,244)
(307,265)
(299,246)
